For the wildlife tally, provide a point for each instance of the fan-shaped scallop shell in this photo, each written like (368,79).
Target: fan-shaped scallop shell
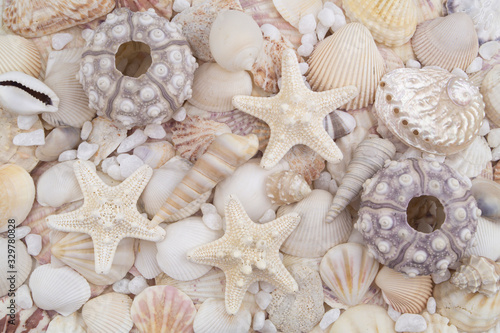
(286,187)
(212,317)
(145,259)
(348,270)
(448,42)
(430,109)
(364,318)
(108,313)
(490,88)
(18,54)
(404,294)
(73,323)
(348,57)
(428,9)
(17,260)
(294,10)
(473,159)
(391,22)
(486,239)
(478,274)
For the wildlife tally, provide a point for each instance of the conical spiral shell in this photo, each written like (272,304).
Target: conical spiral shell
(404,294)
(391,22)
(448,42)
(490,88)
(18,54)
(478,274)
(348,57)
(286,187)
(368,158)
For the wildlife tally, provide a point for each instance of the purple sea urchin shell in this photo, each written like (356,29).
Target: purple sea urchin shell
(383,219)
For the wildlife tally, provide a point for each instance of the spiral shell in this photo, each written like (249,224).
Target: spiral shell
(478,274)
(286,187)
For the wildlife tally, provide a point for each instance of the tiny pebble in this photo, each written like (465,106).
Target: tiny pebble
(129,165)
(266,286)
(67,155)
(494,138)
(279,83)
(485,128)
(303,66)
(326,16)
(180,115)
(305,50)
(269,30)
(254,288)
(475,65)
(268,216)
(135,139)
(114,172)
(35,138)
(268,327)
(22,231)
(121,157)
(137,284)
(333,7)
(259,319)
(26,122)
(489,49)
(332,186)
(107,162)
(307,24)
(61,40)
(321,31)
(263,299)
(339,21)
(459,72)
(329,318)
(409,322)
(213,221)
(180,5)
(121,286)
(323,181)
(33,244)
(431,305)
(413,64)
(208,208)
(155,131)
(23,297)
(495,153)
(393,313)
(86,129)
(309,38)
(86,150)
(437,278)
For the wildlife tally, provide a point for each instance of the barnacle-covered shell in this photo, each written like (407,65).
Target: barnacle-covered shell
(430,109)
(152,97)
(391,22)
(108,313)
(383,218)
(19,54)
(478,274)
(286,187)
(490,88)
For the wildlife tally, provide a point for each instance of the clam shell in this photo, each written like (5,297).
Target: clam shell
(34,318)
(19,54)
(155,154)
(293,10)
(60,289)
(391,22)
(108,313)
(212,317)
(16,259)
(338,124)
(58,186)
(490,89)
(145,259)
(487,194)
(348,57)
(286,187)
(364,318)
(348,271)
(486,239)
(404,294)
(163,309)
(478,274)
(58,140)
(73,323)
(449,42)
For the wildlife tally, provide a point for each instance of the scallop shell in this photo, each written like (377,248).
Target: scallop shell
(364,318)
(145,259)
(108,313)
(286,187)
(490,88)
(58,185)
(155,154)
(183,236)
(293,10)
(421,108)
(304,161)
(33,319)
(404,294)
(348,270)
(428,9)
(471,312)
(391,22)
(212,317)
(41,17)
(449,42)
(58,140)
(487,194)
(486,239)
(20,55)
(107,135)
(313,236)
(372,296)
(214,87)
(16,259)
(391,59)
(478,274)
(348,57)
(73,323)
(473,160)
(60,289)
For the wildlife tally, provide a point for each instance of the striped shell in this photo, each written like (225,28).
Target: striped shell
(478,274)
(20,55)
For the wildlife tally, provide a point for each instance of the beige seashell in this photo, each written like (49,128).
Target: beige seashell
(155,154)
(293,10)
(391,58)
(193,136)
(313,236)
(161,7)
(405,51)
(404,294)
(391,22)
(487,172)
(73,323)
(20,55)
(471,312)
(58,140)
(108,313)
(77,251)
(107,135)
(338,124)
(348,57)
(32,319)
(437,323)
(58,185)
(289,260)
(37,18)
(487,194)
(225,154)
(286,187)
(235,40)
(214,87)
(163,309)
(496,173)
(145,259)
(448,42)
(368,158)
(490,88)
(212,317)
(364,318)
(478,274)
(486,239)
(372,296)
(16,197)
(16,259)
(348,270)
(471,161)
(428,9)
(60,289)
(304,161)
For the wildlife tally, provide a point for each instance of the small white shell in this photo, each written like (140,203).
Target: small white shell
(471,161)
(18,261)
(108,313)
(212,317)
(145,259)
(58,185)
(73,323)
(294,10)
(364,318)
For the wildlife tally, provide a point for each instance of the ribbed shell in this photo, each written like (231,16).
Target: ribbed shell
(478,274)
(21,264)
(294,10)
(286,187)
(212,317)
(20,55)
(305,161)
(486,239)
(145,259)
(490,88)
(348,57)
(108,313)
(473,159)
(448,42)
(364,318)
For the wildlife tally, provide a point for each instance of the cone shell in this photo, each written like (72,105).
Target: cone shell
(22,265)
(490,88)
(108,313)
(286,187)
(294,10)
(348,57)
(163,309)
(486,239)
(18,54)
(212,317)
(478,274)
(404,294)
(16,197)
(448,42)
(364,318)
(391,22)
(58,186)
(214,87)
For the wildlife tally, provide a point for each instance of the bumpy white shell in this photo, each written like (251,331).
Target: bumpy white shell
(478,274)
(108,313)
(286,187)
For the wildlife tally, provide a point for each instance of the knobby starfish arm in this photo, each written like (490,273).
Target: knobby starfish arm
(104,252)
(329,100)
(236,286)
(276,149)
(69,222)
(255,106)
(326,147)
(133,186)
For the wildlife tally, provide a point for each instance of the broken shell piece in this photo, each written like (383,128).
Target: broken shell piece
(286,187)
(58,185)
(364,318)
(478,274)
(472,160)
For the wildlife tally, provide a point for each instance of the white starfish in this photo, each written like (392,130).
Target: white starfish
(296,113)
(109,213)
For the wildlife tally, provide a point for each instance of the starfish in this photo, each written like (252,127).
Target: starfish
(296,113)
(109,213)
(248,252)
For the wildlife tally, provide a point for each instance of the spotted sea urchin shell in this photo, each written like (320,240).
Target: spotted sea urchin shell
(383,219)
(152,97)
(430,109)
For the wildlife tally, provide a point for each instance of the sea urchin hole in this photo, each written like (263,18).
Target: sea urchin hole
(133,58)
(425,213)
